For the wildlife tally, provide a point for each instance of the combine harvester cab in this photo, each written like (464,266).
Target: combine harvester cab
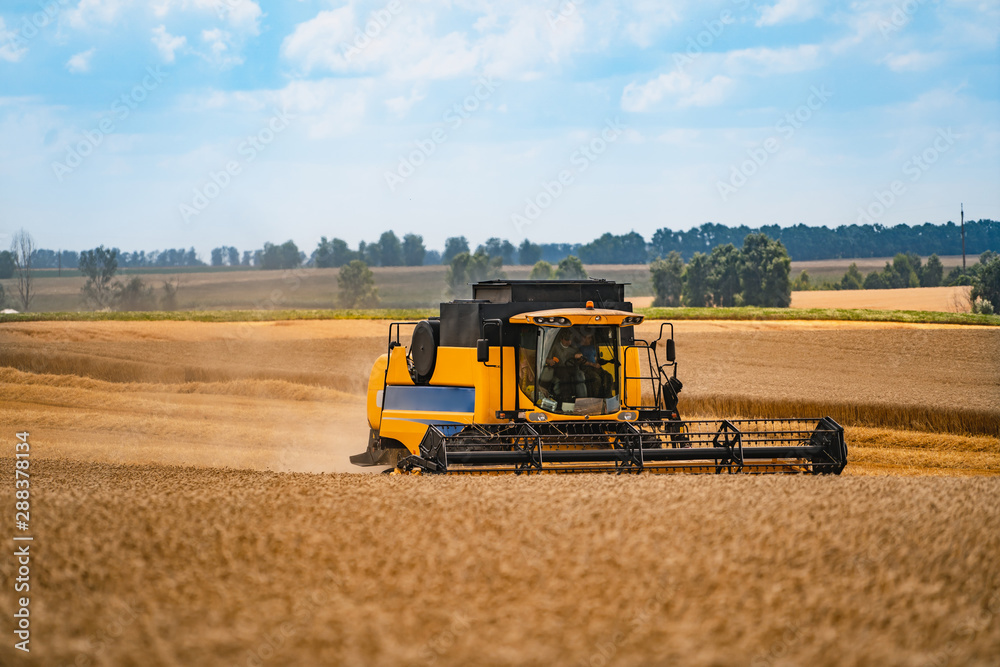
(548,376)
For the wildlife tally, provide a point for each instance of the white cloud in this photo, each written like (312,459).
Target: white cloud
(335,41)
(912,61)
(243,16)
(400,106)
(8,48)
(323,108)
(166,43)
(220,48)
(80,63)
(718,73)
(676,87)
(512,42)
(89,12)
(652,19)
(321,42)
(764,61)
(789,11)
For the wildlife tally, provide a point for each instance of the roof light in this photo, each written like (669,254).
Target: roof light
(590,305)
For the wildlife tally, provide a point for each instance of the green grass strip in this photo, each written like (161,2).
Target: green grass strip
(223,315)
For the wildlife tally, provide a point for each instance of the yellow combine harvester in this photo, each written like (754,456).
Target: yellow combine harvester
(548,376)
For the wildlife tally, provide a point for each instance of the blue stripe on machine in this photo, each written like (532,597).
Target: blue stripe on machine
(431,399)
(448,428)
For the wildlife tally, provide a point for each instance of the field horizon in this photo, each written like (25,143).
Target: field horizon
(237,288)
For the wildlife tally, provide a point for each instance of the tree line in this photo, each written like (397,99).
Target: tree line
(801,242)
(757,274)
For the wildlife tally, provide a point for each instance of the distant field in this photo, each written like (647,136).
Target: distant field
(943,299)
(399,287)
(208,288)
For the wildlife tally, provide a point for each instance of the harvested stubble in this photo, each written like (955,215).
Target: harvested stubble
(226,567)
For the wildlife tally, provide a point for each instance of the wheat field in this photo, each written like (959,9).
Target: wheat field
(193,504)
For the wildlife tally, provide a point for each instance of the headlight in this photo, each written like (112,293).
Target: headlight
(628,416)
(558,321)
(537,417)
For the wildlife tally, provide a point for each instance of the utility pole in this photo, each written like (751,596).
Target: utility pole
(963,237)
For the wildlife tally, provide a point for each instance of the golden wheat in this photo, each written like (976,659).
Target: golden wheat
(156,565)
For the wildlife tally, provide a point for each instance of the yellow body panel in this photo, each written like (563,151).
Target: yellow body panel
(399,373)
(633,388)
(376,380)
(455,367)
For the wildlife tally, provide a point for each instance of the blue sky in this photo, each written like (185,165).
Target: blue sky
(177,123)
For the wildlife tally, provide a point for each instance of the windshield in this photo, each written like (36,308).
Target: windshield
(576,369)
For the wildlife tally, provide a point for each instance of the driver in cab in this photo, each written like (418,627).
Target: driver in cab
(565,360)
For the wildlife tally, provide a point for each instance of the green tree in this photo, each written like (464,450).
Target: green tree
(284,256)
(357,286)
(986,281)
(903,272)
(465,269)
(777,285)
(7,264)
(853,278)
(390,250)
(99,266)
(413,250)
(528,253)
(542,270)
(453,247)
(217,256)
(668,280)
(341,253)
(875,280)
(497,247)
(724,274)
(323,255)
(932,272)
(802,282)
(696,292)
(765,273)
(755,257)
(570,268)
(3,298)
(610,249)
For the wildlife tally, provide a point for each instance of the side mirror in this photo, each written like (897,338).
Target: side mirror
(671,352)
(482,350)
